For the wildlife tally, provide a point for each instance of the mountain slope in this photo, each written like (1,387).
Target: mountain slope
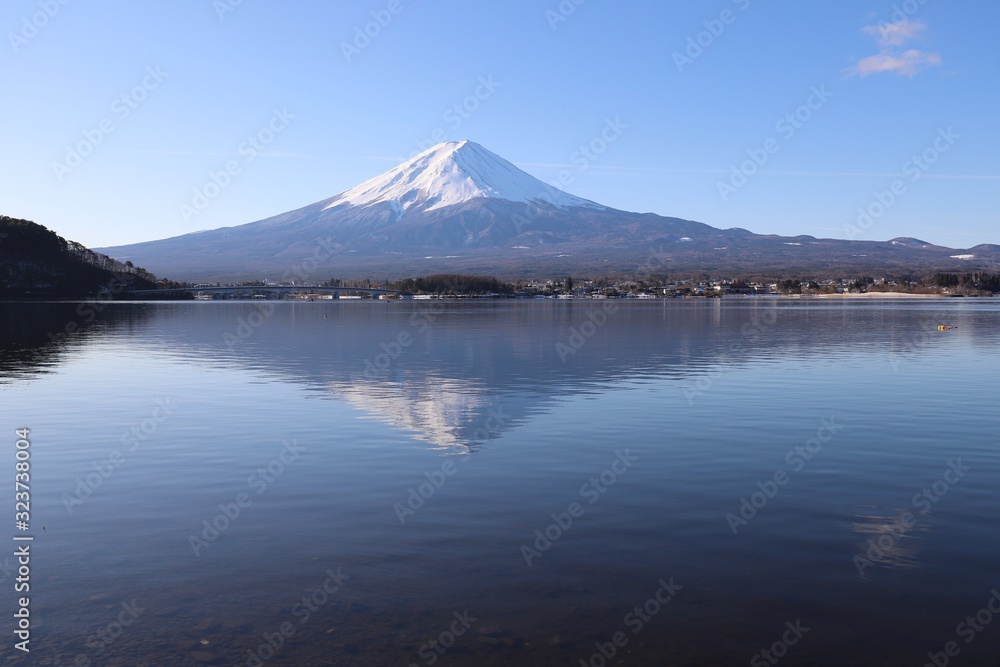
(454,173)
(457,207)
(36,262)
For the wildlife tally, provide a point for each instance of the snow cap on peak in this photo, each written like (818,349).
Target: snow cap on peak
(451,173)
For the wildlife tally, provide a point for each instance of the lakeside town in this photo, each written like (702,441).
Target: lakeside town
(38,264)
(460,286)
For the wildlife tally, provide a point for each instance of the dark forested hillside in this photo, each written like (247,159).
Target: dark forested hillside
(37,262)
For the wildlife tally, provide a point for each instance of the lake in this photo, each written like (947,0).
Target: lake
(670,482)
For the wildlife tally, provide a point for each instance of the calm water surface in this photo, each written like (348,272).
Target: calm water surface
(830,466)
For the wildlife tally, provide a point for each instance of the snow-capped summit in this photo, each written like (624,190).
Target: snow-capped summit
(453,173)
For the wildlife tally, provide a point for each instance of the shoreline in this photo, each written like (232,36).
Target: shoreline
(891,295)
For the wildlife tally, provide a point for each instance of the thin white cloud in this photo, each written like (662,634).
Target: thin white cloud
(891,59)
(909,63)
(895,34)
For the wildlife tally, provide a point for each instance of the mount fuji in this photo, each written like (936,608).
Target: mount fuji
(451,174)
(457,207)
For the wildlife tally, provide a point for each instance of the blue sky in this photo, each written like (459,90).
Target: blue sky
(160,96)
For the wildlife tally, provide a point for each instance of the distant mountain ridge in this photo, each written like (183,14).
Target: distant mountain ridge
(460,208)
